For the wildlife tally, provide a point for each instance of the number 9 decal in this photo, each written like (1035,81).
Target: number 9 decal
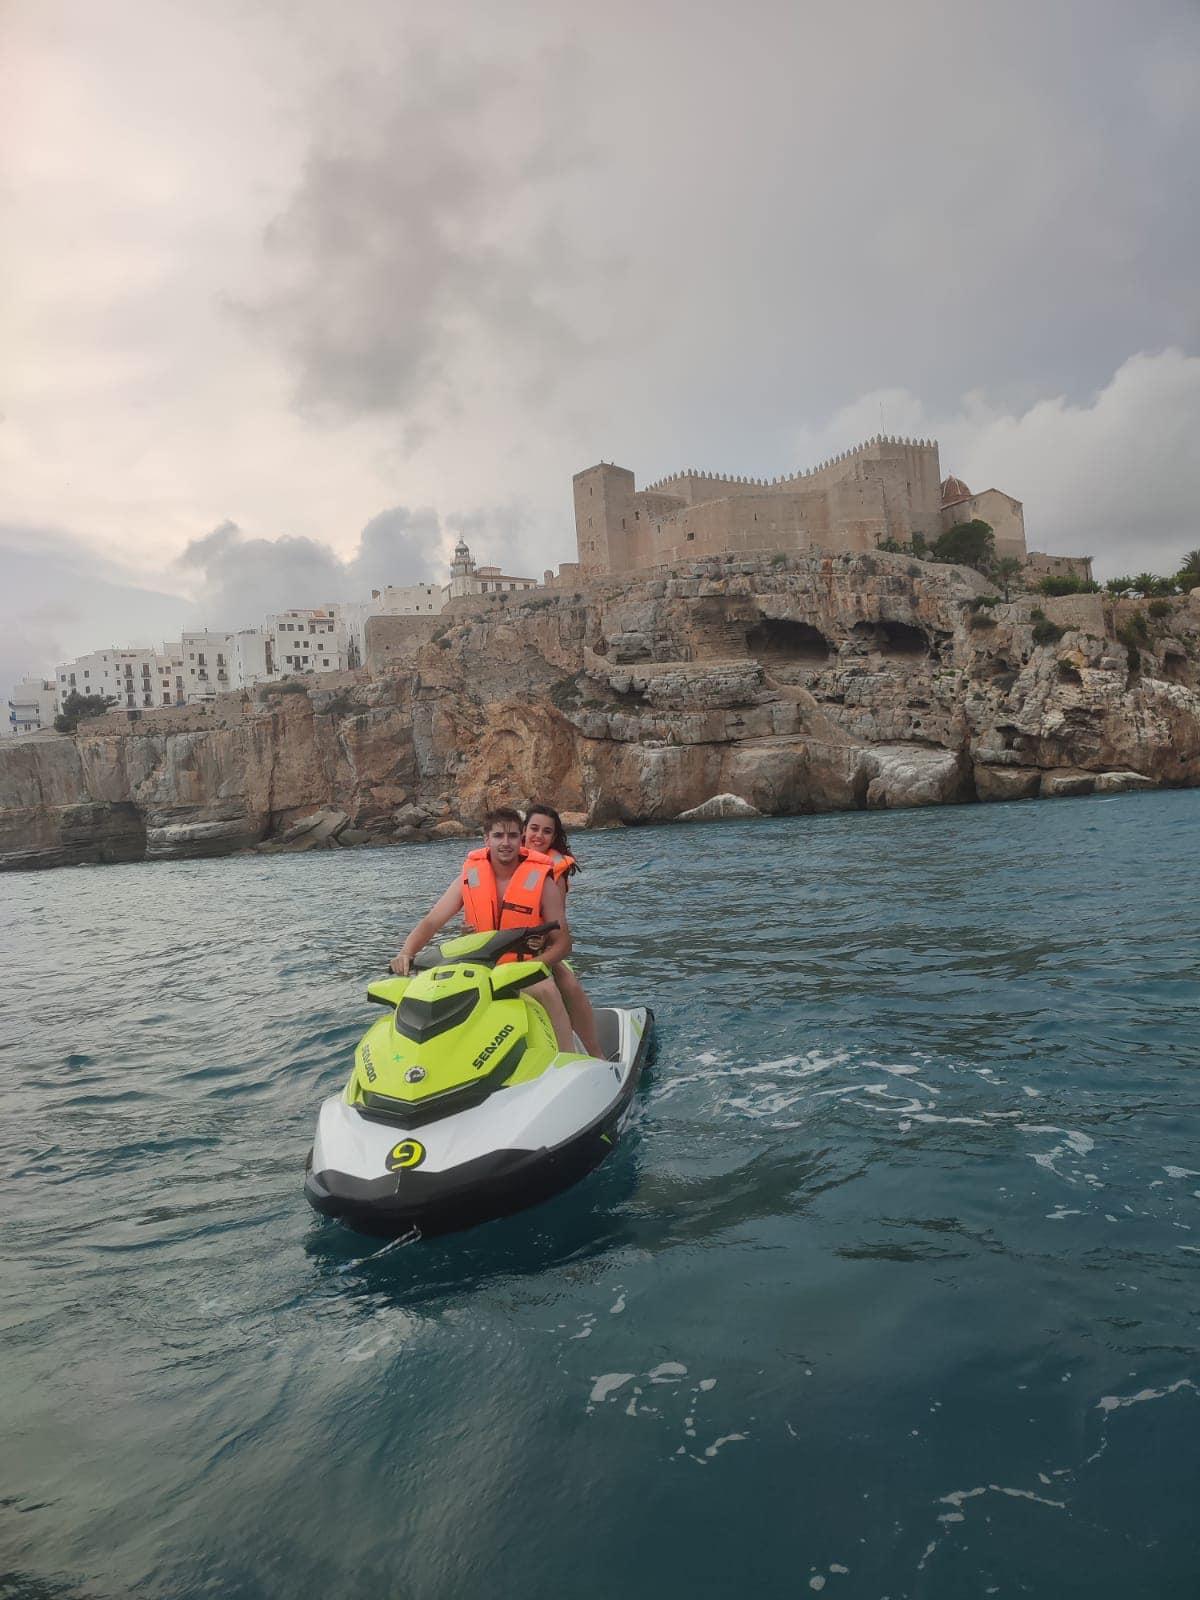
(408,1153)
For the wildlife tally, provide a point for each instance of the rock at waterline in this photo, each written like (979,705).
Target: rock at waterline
(720,805)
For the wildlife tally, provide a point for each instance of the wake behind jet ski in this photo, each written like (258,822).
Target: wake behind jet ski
(460,1105)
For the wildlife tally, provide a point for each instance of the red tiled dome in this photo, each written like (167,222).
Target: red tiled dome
(954,489)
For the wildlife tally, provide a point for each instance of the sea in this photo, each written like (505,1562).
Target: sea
(891,1290)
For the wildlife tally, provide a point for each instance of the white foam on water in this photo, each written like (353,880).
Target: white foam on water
(957,1498)
(726,1438)
(836,1566)
(1060,1212)
(1034,1094)
(617,1306)
(816,1582)
(607,1384)
(711,1383)
(1181,1172)
(1117,1402)
(667,1372)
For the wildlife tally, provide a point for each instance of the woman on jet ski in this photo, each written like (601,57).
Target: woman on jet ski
(544,832)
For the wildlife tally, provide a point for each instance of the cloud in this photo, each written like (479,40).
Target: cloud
(61,599)
(243,579)
(420,242)
(1115,476)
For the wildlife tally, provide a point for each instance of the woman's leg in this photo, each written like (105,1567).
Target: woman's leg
(547,996)
(579,1008)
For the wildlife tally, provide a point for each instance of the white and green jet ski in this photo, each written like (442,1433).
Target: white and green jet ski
(460,1105)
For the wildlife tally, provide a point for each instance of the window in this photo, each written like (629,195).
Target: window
(86,673)
(691,535)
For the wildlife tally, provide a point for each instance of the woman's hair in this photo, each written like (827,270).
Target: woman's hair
(539,808)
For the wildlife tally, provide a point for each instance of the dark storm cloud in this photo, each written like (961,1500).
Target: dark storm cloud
(784,207)
(421,228)
(245,579)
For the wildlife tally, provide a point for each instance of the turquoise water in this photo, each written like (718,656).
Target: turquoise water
(890,1291)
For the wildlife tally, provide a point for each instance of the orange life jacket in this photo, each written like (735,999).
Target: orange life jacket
(522,903)
(562,865)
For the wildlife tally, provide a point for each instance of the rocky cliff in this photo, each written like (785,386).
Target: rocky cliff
(805,684)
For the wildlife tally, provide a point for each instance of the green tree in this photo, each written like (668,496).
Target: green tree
(1147,584)
(1188,576)
(1117,586)
(969,544)
(78,708)
(1006,572)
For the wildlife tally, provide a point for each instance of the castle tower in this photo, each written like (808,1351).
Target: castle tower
(603,495)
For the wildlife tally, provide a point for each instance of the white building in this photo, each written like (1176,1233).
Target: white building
(207,664)
(32,704)
(306,641)
(466,578)
(135,679)
(394,600)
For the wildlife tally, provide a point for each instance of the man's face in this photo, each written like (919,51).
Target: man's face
(504,842)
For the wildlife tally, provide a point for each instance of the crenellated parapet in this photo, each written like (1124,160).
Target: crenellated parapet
(868,449)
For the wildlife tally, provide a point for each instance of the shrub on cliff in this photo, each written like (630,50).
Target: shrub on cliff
(78,708)
(1159,609)
(1045,631)
(1068,583)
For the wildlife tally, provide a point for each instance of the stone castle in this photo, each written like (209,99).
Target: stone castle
(883,491)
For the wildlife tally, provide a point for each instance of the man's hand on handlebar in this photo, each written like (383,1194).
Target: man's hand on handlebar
(401,965)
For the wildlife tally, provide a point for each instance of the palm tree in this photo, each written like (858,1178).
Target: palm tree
(1006,571)
(1188,576)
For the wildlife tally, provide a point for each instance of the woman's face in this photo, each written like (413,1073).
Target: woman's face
(539,832)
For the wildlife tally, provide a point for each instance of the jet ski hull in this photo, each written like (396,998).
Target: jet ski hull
(523,1145)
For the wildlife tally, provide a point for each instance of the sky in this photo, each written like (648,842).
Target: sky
(296,292)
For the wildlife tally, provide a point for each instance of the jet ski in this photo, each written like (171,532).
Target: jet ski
(460,1106)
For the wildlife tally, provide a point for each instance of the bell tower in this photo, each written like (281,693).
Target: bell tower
(462,570)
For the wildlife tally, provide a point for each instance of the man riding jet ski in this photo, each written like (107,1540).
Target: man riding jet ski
(463,1103)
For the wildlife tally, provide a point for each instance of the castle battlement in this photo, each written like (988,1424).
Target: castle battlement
(858,451)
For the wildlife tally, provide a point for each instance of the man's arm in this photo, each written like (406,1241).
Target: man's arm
(432,922)
(558,944)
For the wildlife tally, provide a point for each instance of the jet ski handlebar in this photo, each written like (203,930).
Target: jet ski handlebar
(508,941)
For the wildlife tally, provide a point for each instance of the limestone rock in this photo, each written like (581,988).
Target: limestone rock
(1006,782)
(911,775)
(1122,782)
(720,805)
(822,682)
(449,829)
(1060,785)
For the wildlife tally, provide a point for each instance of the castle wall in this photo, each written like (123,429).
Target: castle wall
(1044,566)
(886,488)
